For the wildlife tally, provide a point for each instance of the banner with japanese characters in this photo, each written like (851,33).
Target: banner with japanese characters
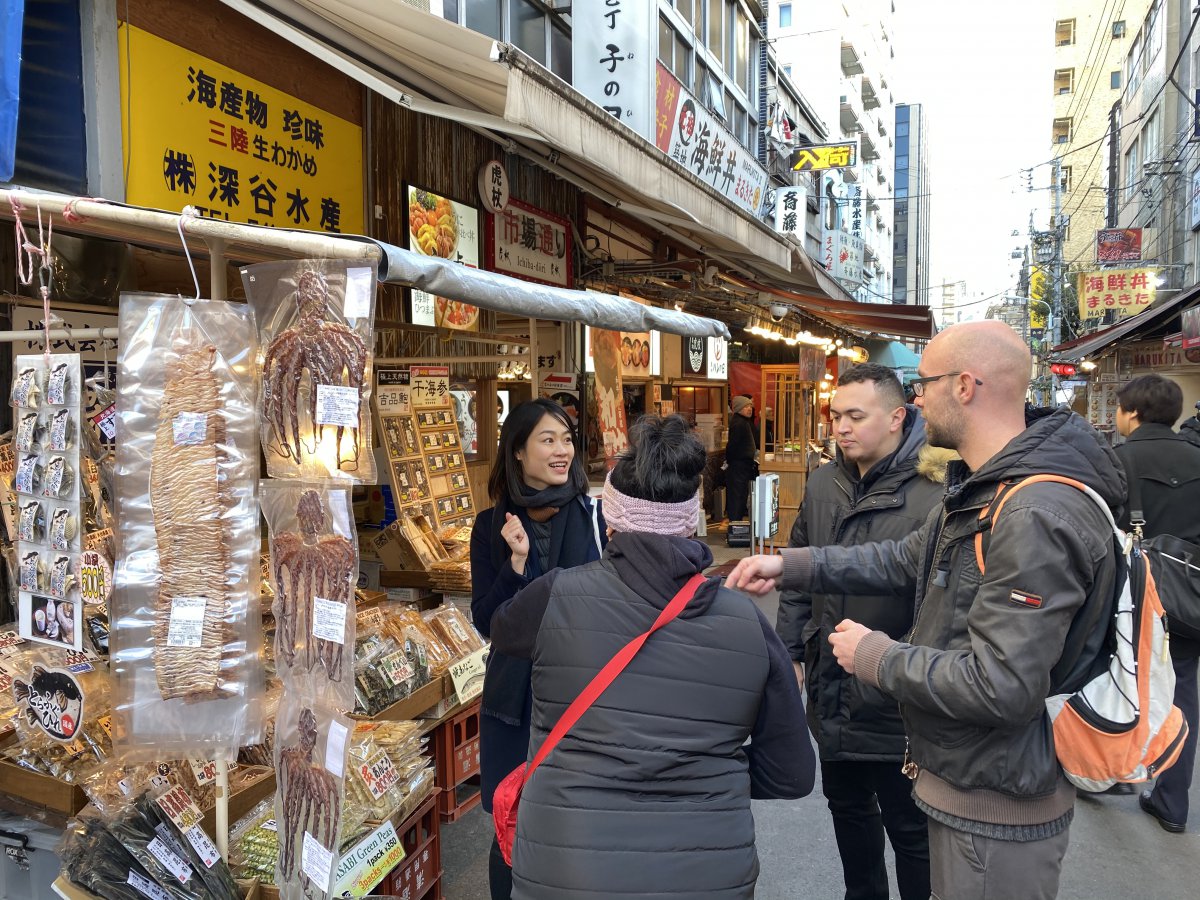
(439,226)
(530,243)
(200,134)
(1125,291)
(612,55)
(791,208)
(695,138)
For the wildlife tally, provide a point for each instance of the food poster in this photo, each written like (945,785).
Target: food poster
(610,409)
(563,389)
(438,226)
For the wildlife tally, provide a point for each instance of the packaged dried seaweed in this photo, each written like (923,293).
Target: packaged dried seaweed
(95,860)
(177,820)
(406,625)
(315,319)
(187,654)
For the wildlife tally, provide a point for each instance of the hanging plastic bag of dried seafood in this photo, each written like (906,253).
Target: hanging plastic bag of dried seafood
(314,567)
(187,636)
(315,324)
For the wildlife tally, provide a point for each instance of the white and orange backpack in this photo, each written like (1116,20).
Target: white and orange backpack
(1122,725)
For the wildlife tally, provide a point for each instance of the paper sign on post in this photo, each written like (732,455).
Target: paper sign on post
(467,674)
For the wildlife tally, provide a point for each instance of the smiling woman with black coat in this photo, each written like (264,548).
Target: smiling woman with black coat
(542,519)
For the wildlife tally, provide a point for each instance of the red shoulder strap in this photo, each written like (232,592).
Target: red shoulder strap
(1003,492)
(608,674)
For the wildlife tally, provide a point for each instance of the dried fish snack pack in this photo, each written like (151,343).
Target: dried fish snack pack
(311,743)
(313,570)
(26,390)
(186,583)
(95,860)
(316,333)
(30,474)
(62,430)
(455,629)
(426,648)
(177,820)
(63,528)
(30,432)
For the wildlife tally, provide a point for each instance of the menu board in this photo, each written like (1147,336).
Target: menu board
(1102,402)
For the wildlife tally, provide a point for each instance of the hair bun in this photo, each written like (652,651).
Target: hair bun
(664,461)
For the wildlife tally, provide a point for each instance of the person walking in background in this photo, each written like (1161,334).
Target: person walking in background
(987,647)
(1167,469)
(768,423)
(882,486)
(740,451)
(542,519)
(648,794)
(1189,429)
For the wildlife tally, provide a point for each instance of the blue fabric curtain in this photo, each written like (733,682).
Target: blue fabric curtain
(12,17)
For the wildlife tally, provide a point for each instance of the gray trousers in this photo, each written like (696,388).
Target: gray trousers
(969,867)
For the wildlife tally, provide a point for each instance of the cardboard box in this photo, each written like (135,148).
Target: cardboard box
(368,573)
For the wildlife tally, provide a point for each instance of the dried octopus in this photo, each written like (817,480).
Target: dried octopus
(332,353)
(305,566)
(311,799)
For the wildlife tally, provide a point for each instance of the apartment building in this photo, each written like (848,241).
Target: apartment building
(911,242)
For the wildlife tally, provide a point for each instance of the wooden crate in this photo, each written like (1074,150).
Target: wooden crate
(39,797)
(456,757)
(420,874)
(423,698)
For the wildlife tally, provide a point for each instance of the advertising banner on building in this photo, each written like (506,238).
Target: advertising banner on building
(612,58)
(438,226)
(1190,327)
(1119,245)
(1126,291)
(695,138)
(1038,308)
(694,363)
(529,243)
(1196,199)
(826,156)
(842,255)
(12,19)
(791,207)
(718,359)
(201,134)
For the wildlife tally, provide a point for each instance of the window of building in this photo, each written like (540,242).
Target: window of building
(1065,171)
(787,70)
(785,15)
(1152,31)
(1114,80)
(1132,171)
(560,51)
(1062,131)
(1151,139)
(483,16)
(1064,32)
(716,28)
(1064,81)
(1118,29)
(1133,65)
(687,9)
(527,28)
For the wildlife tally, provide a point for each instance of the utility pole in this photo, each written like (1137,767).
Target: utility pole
(1056,266)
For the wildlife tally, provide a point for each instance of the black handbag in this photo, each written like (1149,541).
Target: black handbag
(1175,564)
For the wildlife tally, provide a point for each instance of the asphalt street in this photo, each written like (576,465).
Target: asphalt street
(1116,852)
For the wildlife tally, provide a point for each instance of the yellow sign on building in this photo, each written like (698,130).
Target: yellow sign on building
(197,133)
(1128,291)
(1037,292)
(826,156)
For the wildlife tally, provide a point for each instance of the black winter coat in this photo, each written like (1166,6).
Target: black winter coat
(851,720)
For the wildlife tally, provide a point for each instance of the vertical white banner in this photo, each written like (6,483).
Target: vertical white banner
(613,51)
(791,209)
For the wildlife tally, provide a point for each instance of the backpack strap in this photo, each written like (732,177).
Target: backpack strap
(987,515)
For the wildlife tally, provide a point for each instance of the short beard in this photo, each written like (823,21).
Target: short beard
(947,435)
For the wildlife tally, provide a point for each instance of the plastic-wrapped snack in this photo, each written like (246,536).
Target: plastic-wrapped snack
(62,431)
(30,475)
(254,844)
(425,650)
(31,521)
(26,388)
(62,577)
(310,767)
(315,320)
(58,383)
(95,860)
(97,630)
(372,789)
(449,623)
(34,571)
(159,854)
(59,479)
(29,433)
(62,528)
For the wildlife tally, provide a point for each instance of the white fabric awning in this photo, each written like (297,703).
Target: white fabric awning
(386,44)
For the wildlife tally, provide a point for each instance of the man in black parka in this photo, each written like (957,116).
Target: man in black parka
(1167,468)
(882,486)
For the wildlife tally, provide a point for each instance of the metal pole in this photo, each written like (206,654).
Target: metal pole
(1056,269)
(60,334)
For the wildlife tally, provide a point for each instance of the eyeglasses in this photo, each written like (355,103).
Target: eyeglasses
(918,384)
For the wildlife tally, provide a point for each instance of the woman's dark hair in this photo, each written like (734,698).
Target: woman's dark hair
(506,478)
(664,461)
(1154,398)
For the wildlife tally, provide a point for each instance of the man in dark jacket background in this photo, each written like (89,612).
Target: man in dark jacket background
(877,489)
(986,648)
(1167,468)
(740,450)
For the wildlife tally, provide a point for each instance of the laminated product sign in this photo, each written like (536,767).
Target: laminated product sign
(368,861)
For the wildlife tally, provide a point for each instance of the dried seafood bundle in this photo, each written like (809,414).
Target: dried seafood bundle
(332,354)
(311,801)
(189,499)
(306,567)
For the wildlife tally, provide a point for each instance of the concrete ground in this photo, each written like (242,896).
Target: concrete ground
(1117,852)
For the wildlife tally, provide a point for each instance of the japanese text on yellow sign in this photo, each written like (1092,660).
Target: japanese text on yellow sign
(1127,291)
(826,156)
(1037,298)
(200,134)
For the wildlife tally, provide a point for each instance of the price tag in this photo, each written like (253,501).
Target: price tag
(205,771)
(397,668)
(358,293)
(329,620)
(106,421)
(95,577)
(105,722)
(170,861)
(337,405)
(146,887)
(467,674)
(369,619)
(203,845)
(189,428)
(378,774)
(186,627)
(316,861)
(270,825)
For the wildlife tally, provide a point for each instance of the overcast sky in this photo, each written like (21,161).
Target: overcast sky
(983,72)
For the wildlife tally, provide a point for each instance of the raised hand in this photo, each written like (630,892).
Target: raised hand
(514,535)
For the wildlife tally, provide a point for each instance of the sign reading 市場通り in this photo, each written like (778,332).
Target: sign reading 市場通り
(201,134)
(687,132)
(530,243)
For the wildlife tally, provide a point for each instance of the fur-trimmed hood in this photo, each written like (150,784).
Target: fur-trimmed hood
(932,463)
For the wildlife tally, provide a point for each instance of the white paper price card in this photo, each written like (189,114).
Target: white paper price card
(203,845)
(337,405)
(170,860)
(329,620)
(335,749)
(467,674)
(186,627)
(316,861)
(146,887)
(206,770)
(358,293)
(189,428)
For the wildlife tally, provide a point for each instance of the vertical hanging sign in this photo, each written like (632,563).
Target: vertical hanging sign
(612,58)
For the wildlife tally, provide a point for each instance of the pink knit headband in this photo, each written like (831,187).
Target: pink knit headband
(625,513)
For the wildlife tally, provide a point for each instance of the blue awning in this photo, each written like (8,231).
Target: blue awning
(893,354)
